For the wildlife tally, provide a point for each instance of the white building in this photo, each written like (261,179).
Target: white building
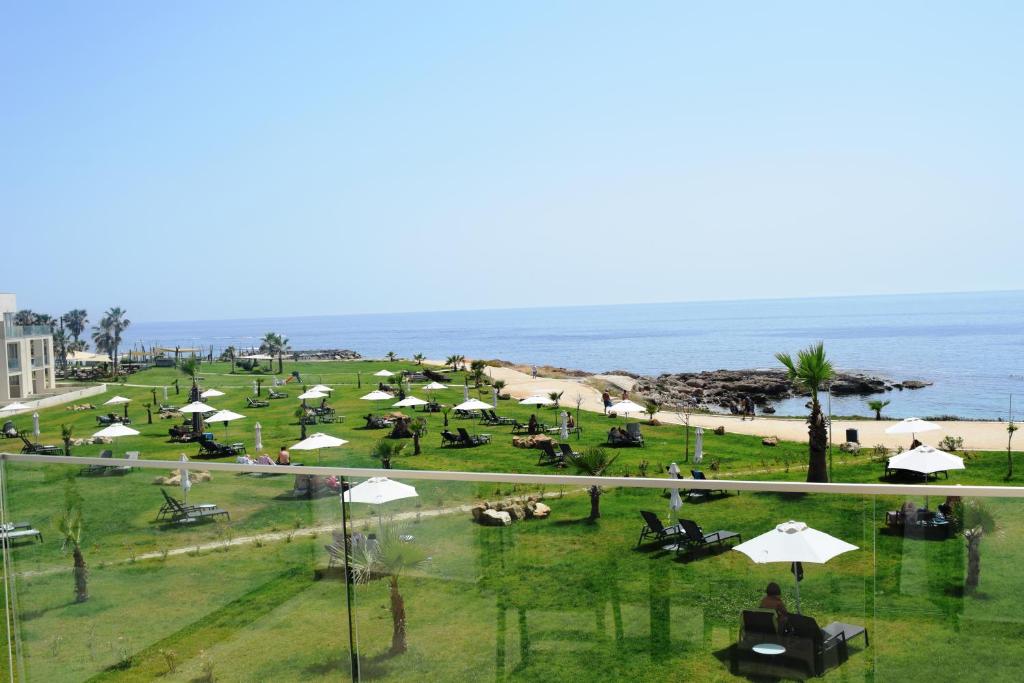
(27,363)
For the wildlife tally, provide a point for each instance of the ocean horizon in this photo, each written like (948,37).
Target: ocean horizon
(969,345)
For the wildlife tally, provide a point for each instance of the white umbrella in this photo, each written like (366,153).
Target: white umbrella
(35,424)
(494,397)
(377,491)
(563,430)
(321,388)
(224,416)
(434,386)
(912,425)
(383,373)
(318,441)
(675,501)
(698,446)
(794,542)
(472,404)
(11,407)
(186,481)
(410,402)
(536,401)
(377,396)
(312,394)
(116,430)
(117,400)
(926,460)
(196,407)
(211,393)
(258,446)
(625,407)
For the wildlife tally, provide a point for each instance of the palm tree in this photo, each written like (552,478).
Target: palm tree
(477,372)
(392,356)
(60,346)
(69,526)
(45,319)
(66,431)
(274,344)
(190,367)
(593,462)
(810,371)
(651,407)
(76,319)
(107,335)
(385,451)
(498,385)
(977,521)
(25,317)
(1011,427)
(419,358)
(452,361)
(390,557)
(555,396)
(877,406)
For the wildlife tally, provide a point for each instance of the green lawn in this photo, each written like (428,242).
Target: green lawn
(556,599)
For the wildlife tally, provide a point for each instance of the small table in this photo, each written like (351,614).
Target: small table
(769,649)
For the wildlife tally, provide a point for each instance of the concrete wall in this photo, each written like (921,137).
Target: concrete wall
(69,397)
(8,303)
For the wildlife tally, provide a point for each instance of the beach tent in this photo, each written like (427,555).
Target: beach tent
(83,357)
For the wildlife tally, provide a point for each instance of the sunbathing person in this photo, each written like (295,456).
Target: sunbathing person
(773,600)
(533,427)
(265,460)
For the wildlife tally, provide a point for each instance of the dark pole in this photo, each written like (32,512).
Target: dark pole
(349,598)
(193,396)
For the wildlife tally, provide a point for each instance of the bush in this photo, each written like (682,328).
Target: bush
(951,443)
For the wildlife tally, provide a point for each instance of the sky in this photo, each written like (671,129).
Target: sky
(196,160)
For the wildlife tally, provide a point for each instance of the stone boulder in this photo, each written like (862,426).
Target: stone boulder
(850,447)
(770,441)
(495,518)
(540,511)
(477,511)
(720,431)
(516,512)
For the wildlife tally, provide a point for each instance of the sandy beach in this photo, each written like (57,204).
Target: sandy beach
(988,436)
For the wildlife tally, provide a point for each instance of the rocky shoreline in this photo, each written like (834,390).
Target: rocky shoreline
(327,354)
(729,389)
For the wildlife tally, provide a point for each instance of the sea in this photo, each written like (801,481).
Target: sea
(969,345)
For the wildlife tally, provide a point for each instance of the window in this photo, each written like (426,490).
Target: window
(14,385)
(13,358)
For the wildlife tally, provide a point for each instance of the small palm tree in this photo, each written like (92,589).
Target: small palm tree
(651,407)
(392,356)
(452,361)
(1011,427)
(66,431)
(389,557)
(498,384)
(977,521)
(593,462)
(555,396)
(810,371)
(877,406)
(386,451)
(69,526)
(419,358)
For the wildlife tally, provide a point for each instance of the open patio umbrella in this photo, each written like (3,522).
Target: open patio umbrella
(196,407)
(625,407)
(410,402)
(377,491)
(536,401)
(35,425)
(794,542)
(317,442)
(675,501)
(926,460)
(311,394)
(321,388)
(472,404)
(698,446)
(119,400)
(376,396)
(211,393)
(224,416)
(258,446)
(912,426)
(12,407)
(383,373)
(434,386)
(116,431)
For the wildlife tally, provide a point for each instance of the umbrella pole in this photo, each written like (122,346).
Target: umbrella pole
(796,580)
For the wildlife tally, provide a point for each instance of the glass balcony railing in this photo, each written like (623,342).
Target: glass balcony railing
(16,331)
(245,577)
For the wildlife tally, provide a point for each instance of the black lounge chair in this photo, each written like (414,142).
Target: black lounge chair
(449,439)
(817,647)
(101,470)
(32,448)
(212,449)
(256,403)
(699,493)
(694,538)
(635,437)
(519,428)
(276,394)
(567,450)
(9,430)
(471,440)
(655,530)
(548,454)
(176,512)
(110,418)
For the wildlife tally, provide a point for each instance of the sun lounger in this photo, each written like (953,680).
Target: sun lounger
(18,531)
(548,454)
(449,439)
(700,493)
(256,403)
(176,512)
(498,420)
(473,439)
(39,449)
(102,470)
(212,449)
(655,530)
(694,538)
(276,394)
(567,450)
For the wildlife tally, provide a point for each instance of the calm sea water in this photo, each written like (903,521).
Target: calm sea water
(970,345)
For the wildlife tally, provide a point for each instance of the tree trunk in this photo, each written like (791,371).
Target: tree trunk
(81,576)
(398,644)
(817,463)
(595,502)
(416,443)
(67,446)
(973,559)
(280,362)
(878,414)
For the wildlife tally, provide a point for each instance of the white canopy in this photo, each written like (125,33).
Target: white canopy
(117,400)
(257,356)
(87,357)
(794,542)
(926,460)
(625,407)
(321,388)
(211,393)
(377,396)
(196,407)
(116,430)
(378,490)
(434,386)
(311,394)
(473,404)
(383,373)
(315,442)
(912,425)
(11,407)
(224,416)
(410,401)
(535,401)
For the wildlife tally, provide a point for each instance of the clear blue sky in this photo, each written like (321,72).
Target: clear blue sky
(317,158)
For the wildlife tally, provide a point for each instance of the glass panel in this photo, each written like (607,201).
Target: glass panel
(13,357)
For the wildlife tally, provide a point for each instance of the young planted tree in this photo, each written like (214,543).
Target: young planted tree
(419,358)
(386,451)
(498,384)
(66,431)
(555,397)
(392,356)
(651,407)
(810,371)
(977,521)
(69,526)
(593,462)
(877,406)
(390,557)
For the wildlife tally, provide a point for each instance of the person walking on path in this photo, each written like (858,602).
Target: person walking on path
(533,372)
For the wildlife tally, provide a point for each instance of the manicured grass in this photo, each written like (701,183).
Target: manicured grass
(556,599)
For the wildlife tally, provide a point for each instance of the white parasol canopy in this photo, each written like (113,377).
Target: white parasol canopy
(410,401)
(311,394)
(912,425)
(11,407)
(117,400)
(536,401)
(379,490)
(315,442)
(926,460)
(321,388)
(211,393)
(383,373)
(377,396)
(116,430)
(434,386)
(224,416)
(625,407)
(197,407)
(473,404)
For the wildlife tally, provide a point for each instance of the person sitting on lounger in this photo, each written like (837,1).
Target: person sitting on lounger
(245,460)
(265,460)
(569,422)
(773,600)
(616,435)
(533,427)
(284,457)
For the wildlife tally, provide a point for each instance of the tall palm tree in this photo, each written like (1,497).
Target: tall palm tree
(877,406)
(478,373)
(275,345)
(810,371)
(977,521)
(593,462)
(107,335)
(69,526)
(556,397)
(392,356)
(45,319)
(419,358)
(190,367)
(25,317)
(76,319)
(389,557)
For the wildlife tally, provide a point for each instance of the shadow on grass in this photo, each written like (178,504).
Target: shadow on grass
(370,668)
(583,521)
(725,654)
